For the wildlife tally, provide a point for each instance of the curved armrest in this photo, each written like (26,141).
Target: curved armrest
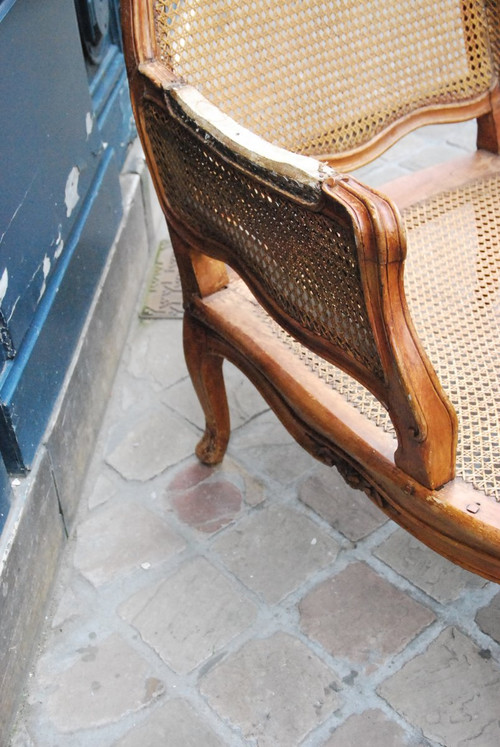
(323,254)
(424,419)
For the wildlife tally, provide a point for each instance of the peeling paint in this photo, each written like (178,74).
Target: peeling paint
(71,195)
(89,124)
(45,269)
(59,248)
(13,309)
(4,283)
(59,242)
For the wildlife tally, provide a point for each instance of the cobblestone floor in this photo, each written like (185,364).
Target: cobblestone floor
(259,603)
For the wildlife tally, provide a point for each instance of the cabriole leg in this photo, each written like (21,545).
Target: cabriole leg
(205,369)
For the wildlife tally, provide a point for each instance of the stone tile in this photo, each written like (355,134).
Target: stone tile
(175,724)
(406,146)
(265,448)
(371,728)
(195,473)
(359,616)
(350,511)
(132,396)
(157,355)
(71,606)
(426,569)
(488,618)
(430,155)
(450,692)
(192,475)
(157,441)
(22,738)
(244,400)
(182,398)
(120,537)
(108,681)
(275,550)
(379,173)
(189,616)
(283,690)
(102,491)
(461,134)
(254,490)
(208,506)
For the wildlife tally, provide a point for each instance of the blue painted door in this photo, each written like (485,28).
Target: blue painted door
(65,124)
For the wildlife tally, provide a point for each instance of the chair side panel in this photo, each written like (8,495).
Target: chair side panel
(304,263)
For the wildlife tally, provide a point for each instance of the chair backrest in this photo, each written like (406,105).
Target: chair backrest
(330,76)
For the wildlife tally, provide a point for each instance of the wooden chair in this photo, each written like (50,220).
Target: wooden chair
(250,114)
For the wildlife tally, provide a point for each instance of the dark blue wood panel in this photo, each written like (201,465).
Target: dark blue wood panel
(99,22)
(50,151)
(111,100)
(63,136)
(30,385)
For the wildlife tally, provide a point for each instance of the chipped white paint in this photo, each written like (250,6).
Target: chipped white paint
(13,309)
(71,195)
(45,269)
(59,242)
(224,129)
(89,124)
(4,284)
(59,248)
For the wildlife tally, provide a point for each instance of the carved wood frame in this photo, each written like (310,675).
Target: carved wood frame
(425,421)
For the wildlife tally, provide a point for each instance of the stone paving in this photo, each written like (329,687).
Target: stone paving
(262,602)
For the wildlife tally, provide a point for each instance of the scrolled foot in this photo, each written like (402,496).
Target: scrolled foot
(211,449)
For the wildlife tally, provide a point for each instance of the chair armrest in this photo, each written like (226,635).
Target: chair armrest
(322,253)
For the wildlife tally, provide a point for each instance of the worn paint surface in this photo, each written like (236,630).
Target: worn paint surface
(61,210)
(89,123)
(71,195)
(49,157)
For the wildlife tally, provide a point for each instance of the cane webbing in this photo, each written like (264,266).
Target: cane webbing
(453,289)
(325,77)
(306,262)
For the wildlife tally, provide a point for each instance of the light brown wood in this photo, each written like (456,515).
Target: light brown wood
(322,256)
(488,125)
(350,160)
(200,274)
(407,190)
(426,444)
(205,368)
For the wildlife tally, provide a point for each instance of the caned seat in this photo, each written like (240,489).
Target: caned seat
(368,319)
